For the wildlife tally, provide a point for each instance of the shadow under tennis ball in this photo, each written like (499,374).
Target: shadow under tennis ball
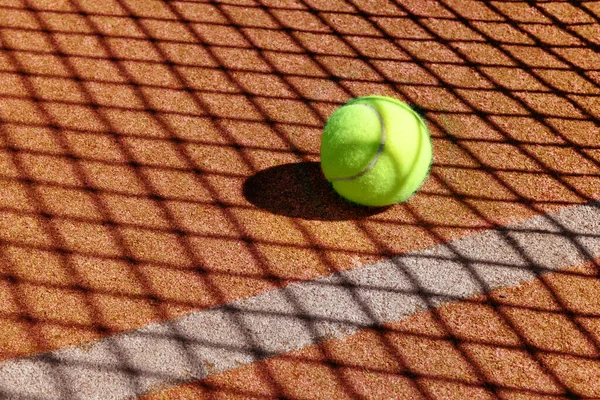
(300,190)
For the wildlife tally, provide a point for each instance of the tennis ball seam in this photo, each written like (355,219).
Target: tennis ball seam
(370,166)
(381,177)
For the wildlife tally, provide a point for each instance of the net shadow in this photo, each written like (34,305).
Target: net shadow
(159,161)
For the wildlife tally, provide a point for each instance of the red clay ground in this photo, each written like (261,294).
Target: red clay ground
(159,157)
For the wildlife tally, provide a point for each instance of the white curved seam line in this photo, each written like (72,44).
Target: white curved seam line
(379,151)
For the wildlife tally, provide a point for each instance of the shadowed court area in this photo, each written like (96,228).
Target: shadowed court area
(300,191)
(159,173)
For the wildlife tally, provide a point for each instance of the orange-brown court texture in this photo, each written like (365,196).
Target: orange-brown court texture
(159,157)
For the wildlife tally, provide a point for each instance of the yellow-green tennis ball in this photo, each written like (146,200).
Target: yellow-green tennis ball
(376,151)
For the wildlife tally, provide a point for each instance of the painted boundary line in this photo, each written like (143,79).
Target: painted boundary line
(214,340)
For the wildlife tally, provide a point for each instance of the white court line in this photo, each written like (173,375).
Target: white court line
(210,341)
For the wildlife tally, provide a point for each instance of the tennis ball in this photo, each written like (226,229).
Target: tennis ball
(376,151)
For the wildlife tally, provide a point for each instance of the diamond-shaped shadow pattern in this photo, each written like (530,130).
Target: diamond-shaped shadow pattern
(158,157)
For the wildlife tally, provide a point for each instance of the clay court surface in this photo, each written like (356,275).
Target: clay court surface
(159,162)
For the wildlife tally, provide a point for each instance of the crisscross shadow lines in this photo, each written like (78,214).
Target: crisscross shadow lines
(160,158)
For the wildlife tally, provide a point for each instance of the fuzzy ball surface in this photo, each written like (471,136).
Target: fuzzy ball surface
(376,151)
